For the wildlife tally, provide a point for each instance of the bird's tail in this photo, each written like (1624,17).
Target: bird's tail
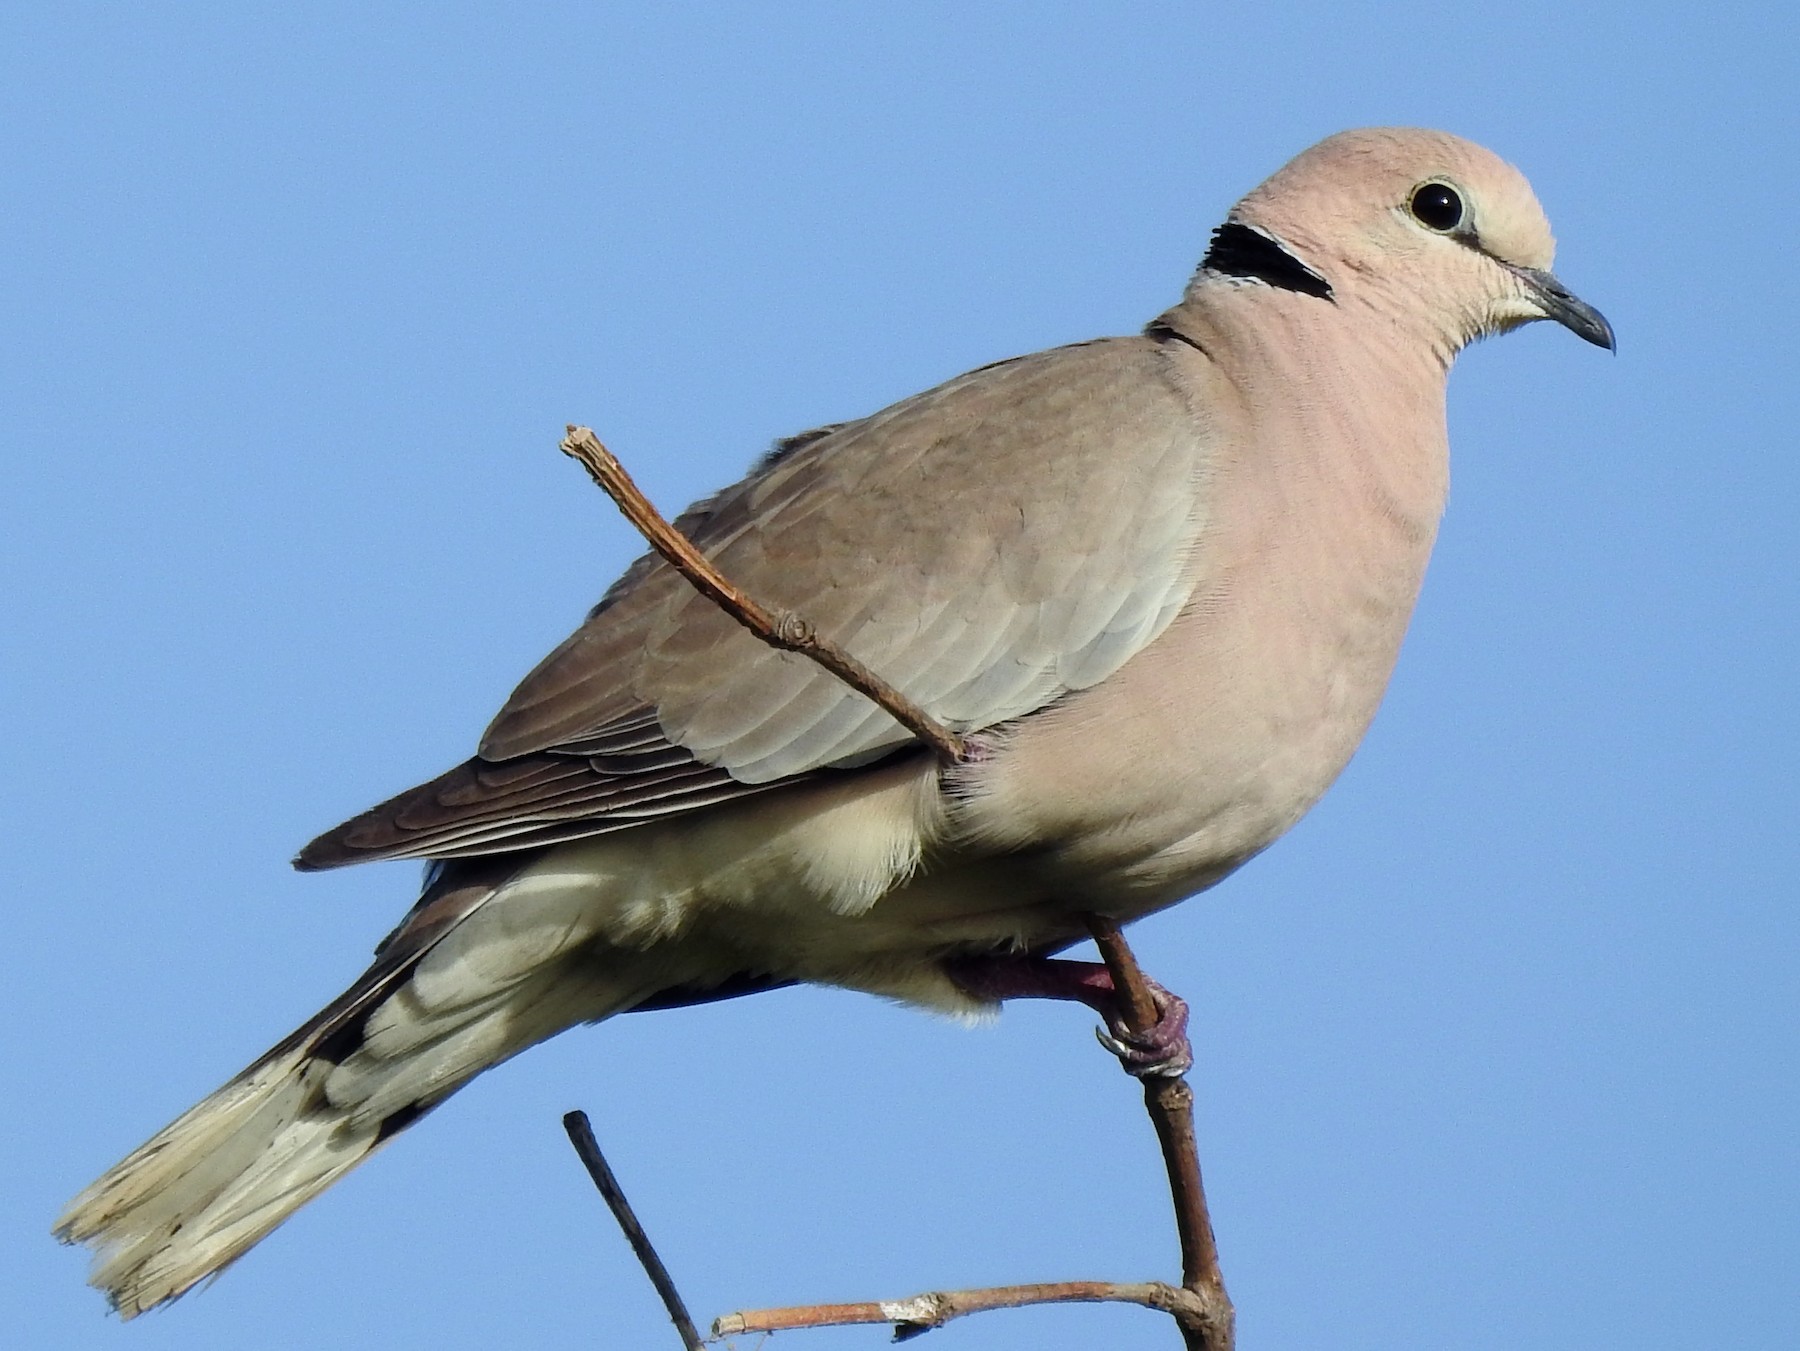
(446,998)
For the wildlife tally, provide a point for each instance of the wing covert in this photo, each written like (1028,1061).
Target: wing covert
(987,546)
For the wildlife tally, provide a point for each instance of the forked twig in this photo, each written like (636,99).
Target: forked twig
(778,628)
(1211,1323)
(1199,1304)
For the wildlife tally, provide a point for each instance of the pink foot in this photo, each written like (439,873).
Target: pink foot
(1159,1051)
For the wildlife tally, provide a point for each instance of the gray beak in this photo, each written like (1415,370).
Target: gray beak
(1562,305)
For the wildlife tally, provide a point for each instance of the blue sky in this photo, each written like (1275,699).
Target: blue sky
(1496,1049)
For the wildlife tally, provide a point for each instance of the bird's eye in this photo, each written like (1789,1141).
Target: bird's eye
(1437,206)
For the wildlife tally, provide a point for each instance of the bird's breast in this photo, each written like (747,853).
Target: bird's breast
(1217,737)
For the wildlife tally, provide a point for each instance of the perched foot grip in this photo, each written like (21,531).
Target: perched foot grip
(1160,1051)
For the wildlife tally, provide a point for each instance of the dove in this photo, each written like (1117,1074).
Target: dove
(1156,583)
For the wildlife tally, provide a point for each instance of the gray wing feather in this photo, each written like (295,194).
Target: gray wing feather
(987,546)
(1012,535)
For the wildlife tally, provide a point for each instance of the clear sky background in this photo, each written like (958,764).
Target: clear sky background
(1496,1050)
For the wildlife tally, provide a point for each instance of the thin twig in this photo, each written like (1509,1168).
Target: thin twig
(1198,1305)
(778,628)
(922,1313)
(1128,976)
(1209,1324)
(581,1135)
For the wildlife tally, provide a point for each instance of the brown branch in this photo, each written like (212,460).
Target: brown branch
(1198,1305)
(922,1313)
(779,628)
(1128,977)
(1210,1323)
(581,1135)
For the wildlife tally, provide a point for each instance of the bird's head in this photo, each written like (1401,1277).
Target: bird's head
(1423,226)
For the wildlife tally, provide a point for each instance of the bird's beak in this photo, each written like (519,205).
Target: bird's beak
(1559,303)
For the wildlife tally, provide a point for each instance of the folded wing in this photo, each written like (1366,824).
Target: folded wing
(987,546)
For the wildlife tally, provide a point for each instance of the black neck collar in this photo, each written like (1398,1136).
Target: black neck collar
(1238,250)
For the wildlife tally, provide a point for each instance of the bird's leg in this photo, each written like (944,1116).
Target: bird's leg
(1159,1051)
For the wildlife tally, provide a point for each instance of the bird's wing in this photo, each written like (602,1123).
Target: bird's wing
(986,547)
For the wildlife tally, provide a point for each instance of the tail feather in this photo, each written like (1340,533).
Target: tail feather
(173,1211)
(203,1190)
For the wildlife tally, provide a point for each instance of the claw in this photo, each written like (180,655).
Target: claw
(1161,1051)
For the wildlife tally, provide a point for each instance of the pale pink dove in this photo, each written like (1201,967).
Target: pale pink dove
(1158,581)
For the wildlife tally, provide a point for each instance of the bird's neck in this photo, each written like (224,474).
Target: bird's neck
(1307,373)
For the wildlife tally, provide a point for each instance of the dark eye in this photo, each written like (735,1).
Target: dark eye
(1437,206)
